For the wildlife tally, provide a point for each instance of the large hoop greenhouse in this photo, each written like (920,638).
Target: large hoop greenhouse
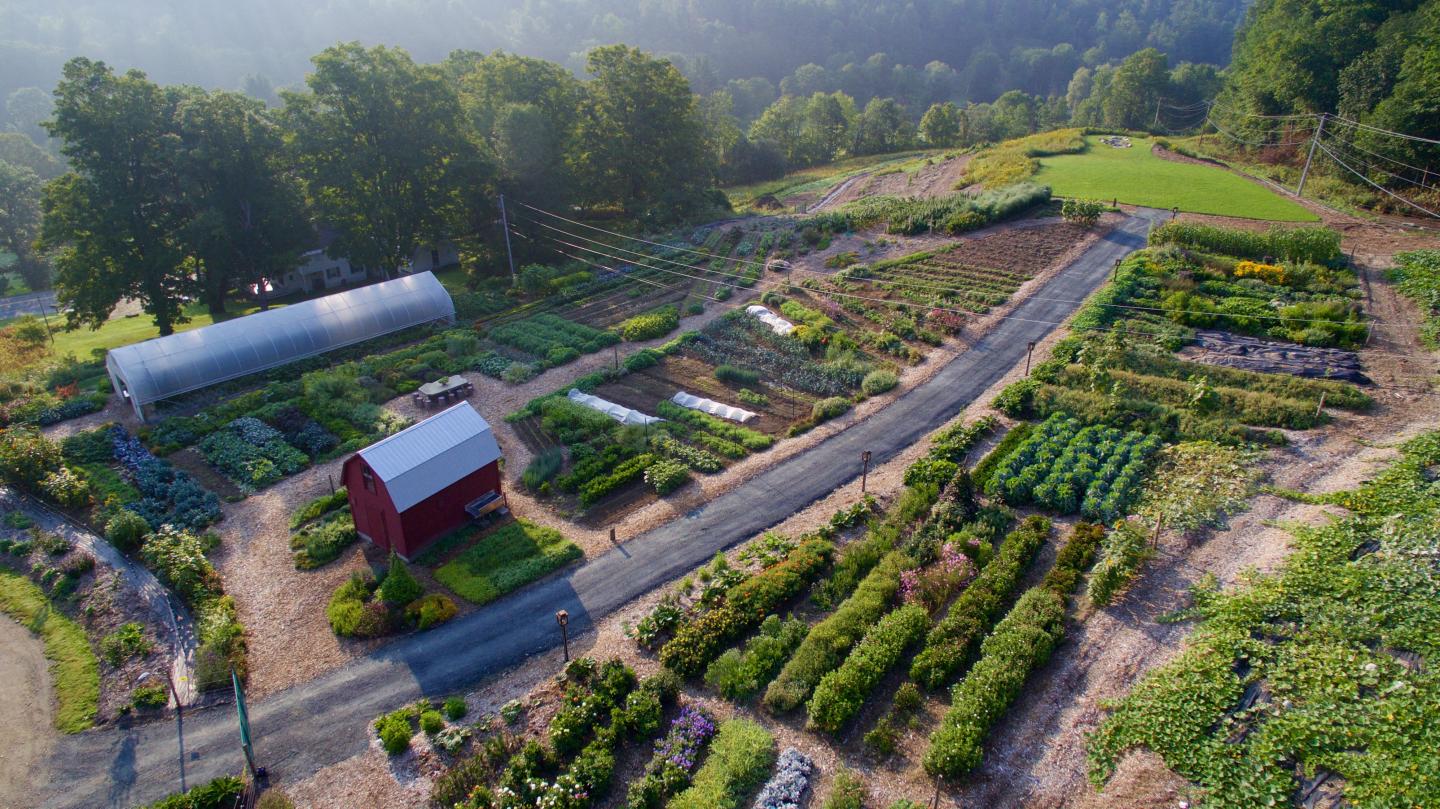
(168,366)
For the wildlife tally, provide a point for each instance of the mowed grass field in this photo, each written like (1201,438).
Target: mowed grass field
(1137,177)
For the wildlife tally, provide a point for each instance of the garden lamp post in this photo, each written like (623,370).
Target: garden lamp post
(864,469)
(1029,350)
(563,619)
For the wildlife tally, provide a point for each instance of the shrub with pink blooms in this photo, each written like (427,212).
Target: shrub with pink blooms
(932,586)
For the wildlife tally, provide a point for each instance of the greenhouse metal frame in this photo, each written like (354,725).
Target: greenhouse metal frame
(169,366)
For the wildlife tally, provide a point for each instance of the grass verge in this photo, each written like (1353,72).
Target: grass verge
(505,560)
(73,668)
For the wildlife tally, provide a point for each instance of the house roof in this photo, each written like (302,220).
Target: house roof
(168,366)
(423,459)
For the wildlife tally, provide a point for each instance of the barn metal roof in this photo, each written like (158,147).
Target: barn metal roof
(168,366)
(424,458)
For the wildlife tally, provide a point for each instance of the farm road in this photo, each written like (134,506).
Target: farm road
(304,728)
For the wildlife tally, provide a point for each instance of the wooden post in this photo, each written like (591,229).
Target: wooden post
(612,535)
(1320,406)
(331,476)
(864,470)
(1029,350)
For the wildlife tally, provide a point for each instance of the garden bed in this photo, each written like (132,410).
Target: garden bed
(480,566)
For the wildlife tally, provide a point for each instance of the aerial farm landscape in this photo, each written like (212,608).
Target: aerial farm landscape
(602,407)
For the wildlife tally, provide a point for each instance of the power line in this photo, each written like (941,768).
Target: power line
(1372,167)
(1376,185)
(1381,156)
(645,241)
(1386,131)
(1374,323)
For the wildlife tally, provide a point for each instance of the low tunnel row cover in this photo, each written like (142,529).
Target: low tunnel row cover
(777,324)
(621,413)
(712,407)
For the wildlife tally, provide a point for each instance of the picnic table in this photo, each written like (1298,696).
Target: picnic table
(450,389)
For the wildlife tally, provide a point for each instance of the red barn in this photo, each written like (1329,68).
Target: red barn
(425,481)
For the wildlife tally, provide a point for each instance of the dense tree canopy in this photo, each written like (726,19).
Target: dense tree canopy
(918,53)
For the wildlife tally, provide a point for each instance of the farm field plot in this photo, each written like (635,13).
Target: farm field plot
(816,179)
(1137,177)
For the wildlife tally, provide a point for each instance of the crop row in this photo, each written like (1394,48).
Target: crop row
(951,643)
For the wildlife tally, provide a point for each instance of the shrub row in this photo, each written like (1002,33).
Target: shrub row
(830,640)
(741,673)
(1021,641)
(700,640)
(841,693)
(1121,555)
(950,644)
(859,557)
(740,759)
(1076,555)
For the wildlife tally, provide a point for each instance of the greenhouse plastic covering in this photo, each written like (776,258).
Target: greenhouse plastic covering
(777,324)
(712,407)
(621,413)
(179,363)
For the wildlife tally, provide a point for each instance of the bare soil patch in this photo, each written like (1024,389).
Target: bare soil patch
(935,180)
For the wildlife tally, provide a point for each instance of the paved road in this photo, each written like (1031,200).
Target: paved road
(31,303)
(324,721)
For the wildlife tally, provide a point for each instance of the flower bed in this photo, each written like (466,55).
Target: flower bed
(740,758)
(951,642)
(841,693)
(674,761)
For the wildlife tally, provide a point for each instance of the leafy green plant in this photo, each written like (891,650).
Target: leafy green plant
(455,708)
(149,697)
(846,792)
(394,730)
(399,586)
(652,324)
(665,476)
(127,641)
(735,375)
(506,559)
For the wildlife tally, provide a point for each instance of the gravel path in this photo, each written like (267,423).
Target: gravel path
(27,713)
(166,608)
(325,721)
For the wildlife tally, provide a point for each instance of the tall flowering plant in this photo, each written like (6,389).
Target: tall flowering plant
(676,757)
(931,586)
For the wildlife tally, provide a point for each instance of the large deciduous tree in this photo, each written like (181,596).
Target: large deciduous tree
(247,217)
(379,140)
(20,222)
(940,126)
(112,222)
(642,145)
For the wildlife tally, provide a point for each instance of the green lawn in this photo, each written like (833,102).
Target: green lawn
(505,559)
(122,331)
(1137,177)
(74,670)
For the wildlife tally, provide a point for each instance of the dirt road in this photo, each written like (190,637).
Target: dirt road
(27,714)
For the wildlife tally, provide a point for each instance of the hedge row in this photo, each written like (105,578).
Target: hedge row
(1071,561)
(1020,643)
(842,692)
(830,640)
(701,640)
(950,644)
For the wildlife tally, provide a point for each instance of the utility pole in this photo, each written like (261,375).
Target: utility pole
(505,226)
(1314,139)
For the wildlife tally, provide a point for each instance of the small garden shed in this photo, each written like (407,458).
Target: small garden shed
(425,481)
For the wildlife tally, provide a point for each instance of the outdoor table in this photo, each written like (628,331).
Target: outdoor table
(443,389)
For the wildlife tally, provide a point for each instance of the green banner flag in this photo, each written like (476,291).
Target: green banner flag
(244,716)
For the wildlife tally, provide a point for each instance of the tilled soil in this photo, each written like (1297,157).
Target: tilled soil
(935,180)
